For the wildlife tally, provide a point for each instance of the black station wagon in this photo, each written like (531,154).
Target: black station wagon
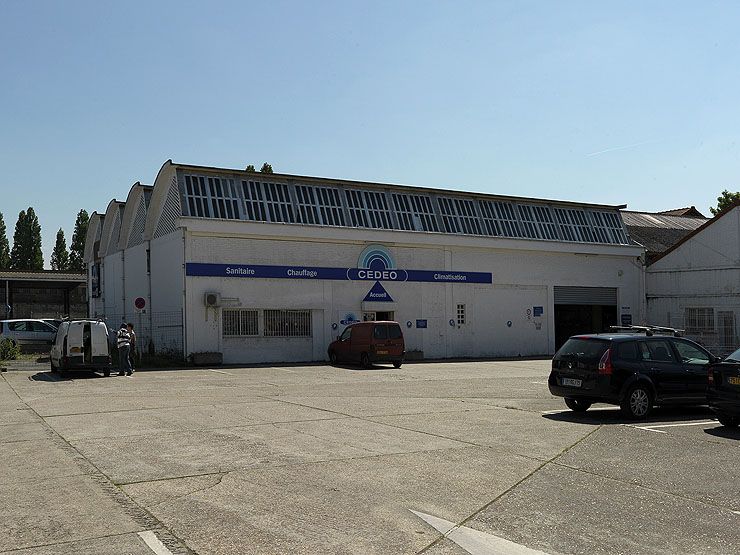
(633,370)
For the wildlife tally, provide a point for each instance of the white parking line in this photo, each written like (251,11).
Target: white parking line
(222,372)
(539,383)
(676,425)
(151,539)
(476,542)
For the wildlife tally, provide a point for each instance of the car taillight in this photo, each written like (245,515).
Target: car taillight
(710,376)
(605,364)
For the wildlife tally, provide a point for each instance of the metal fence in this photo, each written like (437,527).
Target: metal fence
(157,333)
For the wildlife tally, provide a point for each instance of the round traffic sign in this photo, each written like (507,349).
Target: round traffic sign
(140,303)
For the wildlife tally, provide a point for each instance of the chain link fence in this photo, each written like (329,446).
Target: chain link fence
(157,333)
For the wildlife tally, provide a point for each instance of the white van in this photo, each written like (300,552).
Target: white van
(81,345)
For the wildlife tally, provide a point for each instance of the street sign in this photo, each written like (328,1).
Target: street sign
(140,303)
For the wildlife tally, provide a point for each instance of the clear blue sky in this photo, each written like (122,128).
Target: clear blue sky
(632,103)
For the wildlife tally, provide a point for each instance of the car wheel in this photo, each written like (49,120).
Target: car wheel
(638,402)
(365,360)
(106,373)
(728,421)
(333,358)
(397,363)
(54,369)
(577,405)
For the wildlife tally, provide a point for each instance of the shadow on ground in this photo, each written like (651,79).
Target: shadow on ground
(52,377)
(724,432)
(611,416)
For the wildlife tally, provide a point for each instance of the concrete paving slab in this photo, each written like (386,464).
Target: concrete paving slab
(664,462)
(123,544)
(524,433)
(355,506)
(378,406)
(25,432)
(559,510)
(63,509)
(33,460)
(199,417)
(18,415)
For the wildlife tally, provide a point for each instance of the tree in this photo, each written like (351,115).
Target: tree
(26,253)
(60,256)
(77,248)
(725,200)
(4,246)
(250,168)
(266,168)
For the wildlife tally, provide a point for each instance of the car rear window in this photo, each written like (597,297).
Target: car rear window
(587,349)
(394,331)
(380,331)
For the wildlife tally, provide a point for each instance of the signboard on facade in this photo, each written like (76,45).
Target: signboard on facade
(378,294)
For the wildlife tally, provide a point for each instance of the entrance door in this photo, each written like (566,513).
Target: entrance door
(583,310)
(384,316)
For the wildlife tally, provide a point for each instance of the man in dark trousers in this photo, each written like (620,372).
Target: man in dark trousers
(123,340)
(132,343)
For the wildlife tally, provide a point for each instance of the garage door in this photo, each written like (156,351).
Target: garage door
(603,296)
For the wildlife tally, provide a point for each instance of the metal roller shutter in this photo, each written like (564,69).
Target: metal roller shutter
(586,295)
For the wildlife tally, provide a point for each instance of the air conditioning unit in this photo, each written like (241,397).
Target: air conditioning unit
(212,299)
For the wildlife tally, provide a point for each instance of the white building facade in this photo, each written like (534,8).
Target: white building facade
(695,286)
(271,268)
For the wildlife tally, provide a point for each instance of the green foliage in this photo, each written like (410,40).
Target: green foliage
(26,253)
(250,168)
(60,256)
(725,200)
(266,168)
(4,246)
(8,350)
(77,248)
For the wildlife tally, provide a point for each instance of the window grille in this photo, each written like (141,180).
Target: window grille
(415,212)
(461,315)
(197,196)
(308,212)
(500,219)
(609,225)
(239,322)
(368,209)
(224,200)
(279,205)
(574,225)
(255,209)
(543,215)
(459,216)
(330,206)
(530,228)
(287,323)
(699,320)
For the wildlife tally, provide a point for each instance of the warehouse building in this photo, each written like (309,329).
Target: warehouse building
(271,267)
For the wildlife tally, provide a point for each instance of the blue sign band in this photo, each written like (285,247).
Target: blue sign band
(319,273)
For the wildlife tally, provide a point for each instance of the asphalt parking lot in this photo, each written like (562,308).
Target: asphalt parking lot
(444,458)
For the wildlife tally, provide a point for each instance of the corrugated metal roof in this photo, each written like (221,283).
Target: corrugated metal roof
(646,219)
(46,275)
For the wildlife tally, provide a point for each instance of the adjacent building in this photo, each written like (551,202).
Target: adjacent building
(695,285)
(271,267)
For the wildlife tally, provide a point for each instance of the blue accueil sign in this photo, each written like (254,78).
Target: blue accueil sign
(378,294)
(375,263)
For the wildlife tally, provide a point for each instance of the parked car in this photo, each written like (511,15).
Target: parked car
(723,392)
(369,342)
(27,332)
(631,369)
(81,345)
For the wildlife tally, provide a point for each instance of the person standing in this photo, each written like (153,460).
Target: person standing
(132,343)
(123,339)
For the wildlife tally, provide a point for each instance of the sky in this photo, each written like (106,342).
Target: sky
(607,102)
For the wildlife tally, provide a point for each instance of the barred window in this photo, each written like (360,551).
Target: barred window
(415,212)
(608,228)
(368,209)
(500,219)
(239,322)
(279,205)
(547,225)
(527,218)
(461,315)
(699,320)
(224,200)
(255,209)
(287,323)
(196,196)
(459,216)
(574,225)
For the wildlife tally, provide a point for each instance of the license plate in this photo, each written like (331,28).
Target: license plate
(382,352)
(734,381)
(571,382)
